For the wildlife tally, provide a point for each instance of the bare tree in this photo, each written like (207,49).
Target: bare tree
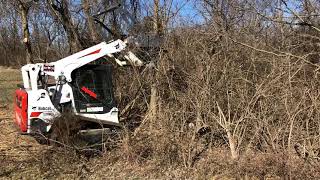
(91,25)
(60,10)
(24,7)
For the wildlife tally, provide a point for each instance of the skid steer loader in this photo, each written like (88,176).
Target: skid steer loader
(75,85)
(79,87)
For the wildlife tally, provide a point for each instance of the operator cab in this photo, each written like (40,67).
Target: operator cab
(93,89)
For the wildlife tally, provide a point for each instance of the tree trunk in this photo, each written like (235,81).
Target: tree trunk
(61,12)
(156,18)
(135,5)
(153,105)
(90,20)
(24,9)
(233,146)
(113,22)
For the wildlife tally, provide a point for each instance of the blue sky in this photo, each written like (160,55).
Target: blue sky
(187,9)
(191,12)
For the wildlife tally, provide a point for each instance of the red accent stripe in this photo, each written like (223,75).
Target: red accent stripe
(94,52)
(35,114)
(92,94)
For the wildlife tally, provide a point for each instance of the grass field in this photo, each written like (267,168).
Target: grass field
(9,79)
(14,149)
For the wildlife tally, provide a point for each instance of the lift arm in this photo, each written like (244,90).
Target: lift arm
(65,66)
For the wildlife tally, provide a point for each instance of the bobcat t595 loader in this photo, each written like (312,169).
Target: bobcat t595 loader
(79,87)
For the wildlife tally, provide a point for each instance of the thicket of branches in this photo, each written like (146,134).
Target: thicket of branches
(245,78)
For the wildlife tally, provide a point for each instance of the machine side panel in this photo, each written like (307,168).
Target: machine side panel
(21,109)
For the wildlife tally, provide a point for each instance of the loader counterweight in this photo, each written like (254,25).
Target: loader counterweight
(21,109)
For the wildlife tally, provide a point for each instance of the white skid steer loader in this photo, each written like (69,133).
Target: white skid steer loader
(79,87)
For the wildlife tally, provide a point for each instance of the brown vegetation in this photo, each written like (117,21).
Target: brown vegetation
(236,96)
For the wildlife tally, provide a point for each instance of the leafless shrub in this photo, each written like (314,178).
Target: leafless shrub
(240,90)
(229,91)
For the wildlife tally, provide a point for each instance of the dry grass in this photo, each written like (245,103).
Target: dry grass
(235,97)
(224,110)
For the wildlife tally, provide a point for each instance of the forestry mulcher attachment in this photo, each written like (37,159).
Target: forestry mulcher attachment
(77,86)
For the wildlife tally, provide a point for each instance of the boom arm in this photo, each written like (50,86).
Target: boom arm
(65,66)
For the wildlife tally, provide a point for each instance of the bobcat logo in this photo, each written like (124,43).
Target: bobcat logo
(44,108)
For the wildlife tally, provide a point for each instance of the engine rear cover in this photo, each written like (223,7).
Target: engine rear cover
(21,109)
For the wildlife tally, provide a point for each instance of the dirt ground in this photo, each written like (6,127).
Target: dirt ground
(21,157)
(17,152)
